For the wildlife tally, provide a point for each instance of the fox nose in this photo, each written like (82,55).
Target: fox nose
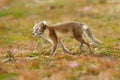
(33,33)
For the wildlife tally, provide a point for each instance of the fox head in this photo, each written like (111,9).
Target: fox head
(39,28)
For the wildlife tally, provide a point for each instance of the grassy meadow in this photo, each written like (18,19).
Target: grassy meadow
(21,60)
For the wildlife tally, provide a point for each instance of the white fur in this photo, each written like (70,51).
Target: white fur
(85,27)
(49,40)
(44,22)
(34,26)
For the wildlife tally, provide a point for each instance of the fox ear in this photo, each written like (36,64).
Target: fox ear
(37,21)
(44,22)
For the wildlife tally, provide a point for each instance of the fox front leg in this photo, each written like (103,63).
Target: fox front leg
(48,40)
(64,48)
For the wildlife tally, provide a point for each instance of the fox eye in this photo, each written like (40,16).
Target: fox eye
(36,29)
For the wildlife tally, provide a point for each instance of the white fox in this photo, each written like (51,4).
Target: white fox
(72,28)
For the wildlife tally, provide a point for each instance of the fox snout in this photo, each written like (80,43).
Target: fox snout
(36,34)
(33,33)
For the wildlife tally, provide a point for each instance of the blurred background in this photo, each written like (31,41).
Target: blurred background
(17,18)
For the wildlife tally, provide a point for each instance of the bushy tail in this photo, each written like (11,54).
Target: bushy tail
(90,35)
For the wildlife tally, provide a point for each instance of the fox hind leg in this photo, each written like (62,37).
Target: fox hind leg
(83,42)
(88,45)
(81,47)
(78,36)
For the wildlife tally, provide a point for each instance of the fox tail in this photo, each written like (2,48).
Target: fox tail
(90,35)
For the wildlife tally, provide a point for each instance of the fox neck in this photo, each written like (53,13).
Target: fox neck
(45,29)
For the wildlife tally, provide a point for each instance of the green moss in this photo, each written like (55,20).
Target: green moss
(3,13)
(8,76)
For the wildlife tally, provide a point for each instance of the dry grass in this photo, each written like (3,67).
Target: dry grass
(20,60)
(4,3)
